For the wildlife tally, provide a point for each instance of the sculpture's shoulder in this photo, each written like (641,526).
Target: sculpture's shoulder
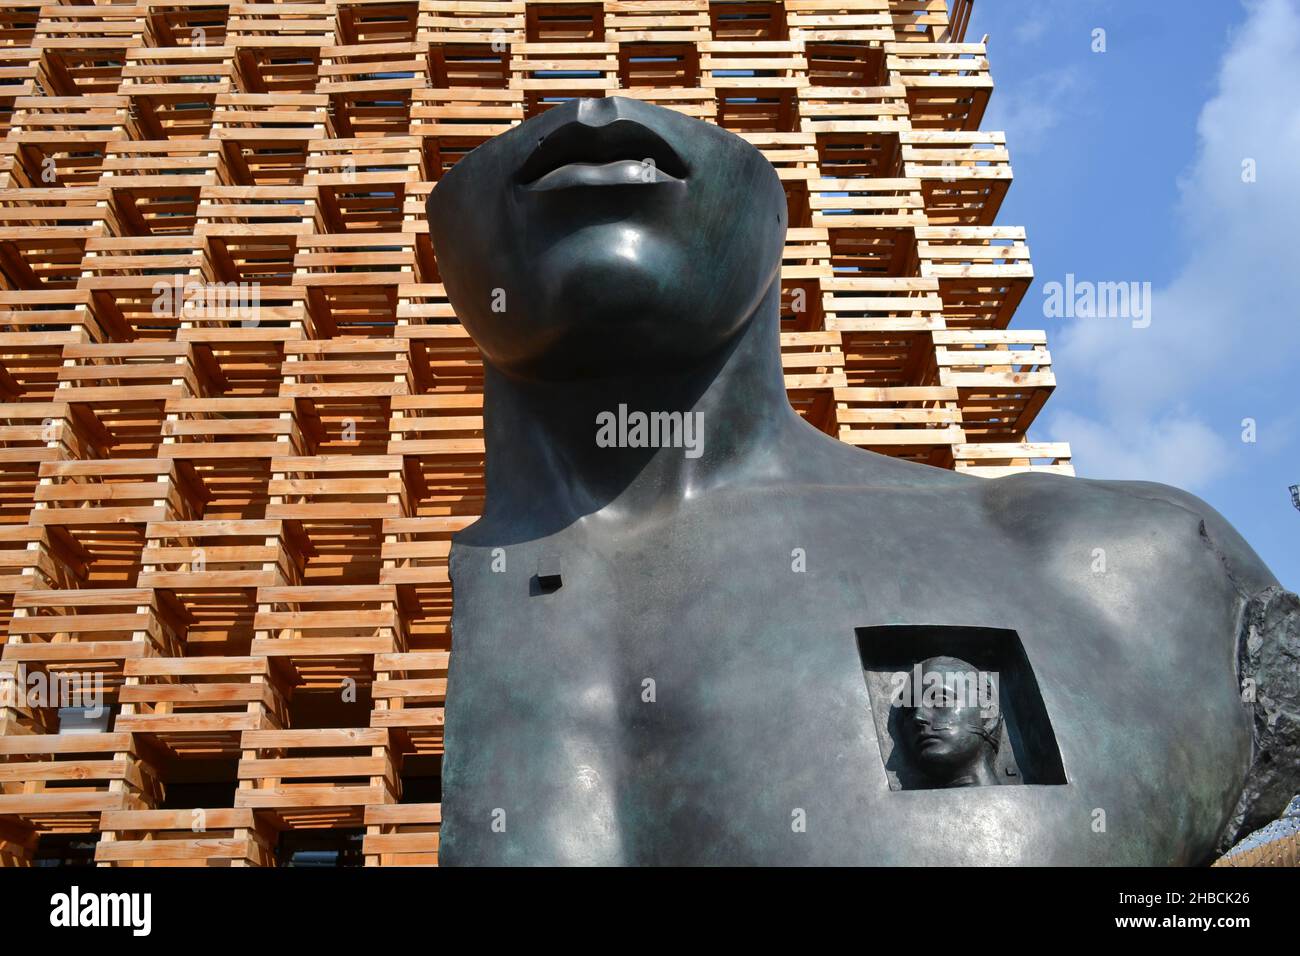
(1170,530)
(1175,536)
(1168,548)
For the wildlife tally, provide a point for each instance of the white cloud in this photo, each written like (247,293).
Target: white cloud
(1176,450)
(1031,27)
(1036,106)
(1224,331)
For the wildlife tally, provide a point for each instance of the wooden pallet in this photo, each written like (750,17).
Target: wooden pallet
(405,835)
(193,837)
(316,778)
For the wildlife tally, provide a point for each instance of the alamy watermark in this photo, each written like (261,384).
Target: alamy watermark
(934,688)
(75,908)
(189,298)
(1083,299)
(39,690)
(636,429)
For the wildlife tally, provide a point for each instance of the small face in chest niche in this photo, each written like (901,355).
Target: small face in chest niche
(957,707)
(951,722)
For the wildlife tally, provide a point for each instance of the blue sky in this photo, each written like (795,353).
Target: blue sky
(1129,167)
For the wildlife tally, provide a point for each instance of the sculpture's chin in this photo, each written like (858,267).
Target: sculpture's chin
(627,304)
(604,270)
(603,347)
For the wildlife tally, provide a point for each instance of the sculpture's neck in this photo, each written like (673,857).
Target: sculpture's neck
(981,775)
(625,445)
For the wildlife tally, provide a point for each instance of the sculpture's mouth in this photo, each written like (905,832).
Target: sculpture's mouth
(931,738)
(621,153)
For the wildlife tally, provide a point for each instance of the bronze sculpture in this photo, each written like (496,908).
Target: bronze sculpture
(655,655)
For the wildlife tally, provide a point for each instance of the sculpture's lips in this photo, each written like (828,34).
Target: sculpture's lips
(928,737)
(623,172)
(621,153)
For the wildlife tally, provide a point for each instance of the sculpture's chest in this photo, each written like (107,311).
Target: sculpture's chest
(697,693)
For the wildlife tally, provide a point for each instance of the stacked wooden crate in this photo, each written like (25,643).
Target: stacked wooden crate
(230,519)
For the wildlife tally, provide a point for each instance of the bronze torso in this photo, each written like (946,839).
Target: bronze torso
(759,704)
